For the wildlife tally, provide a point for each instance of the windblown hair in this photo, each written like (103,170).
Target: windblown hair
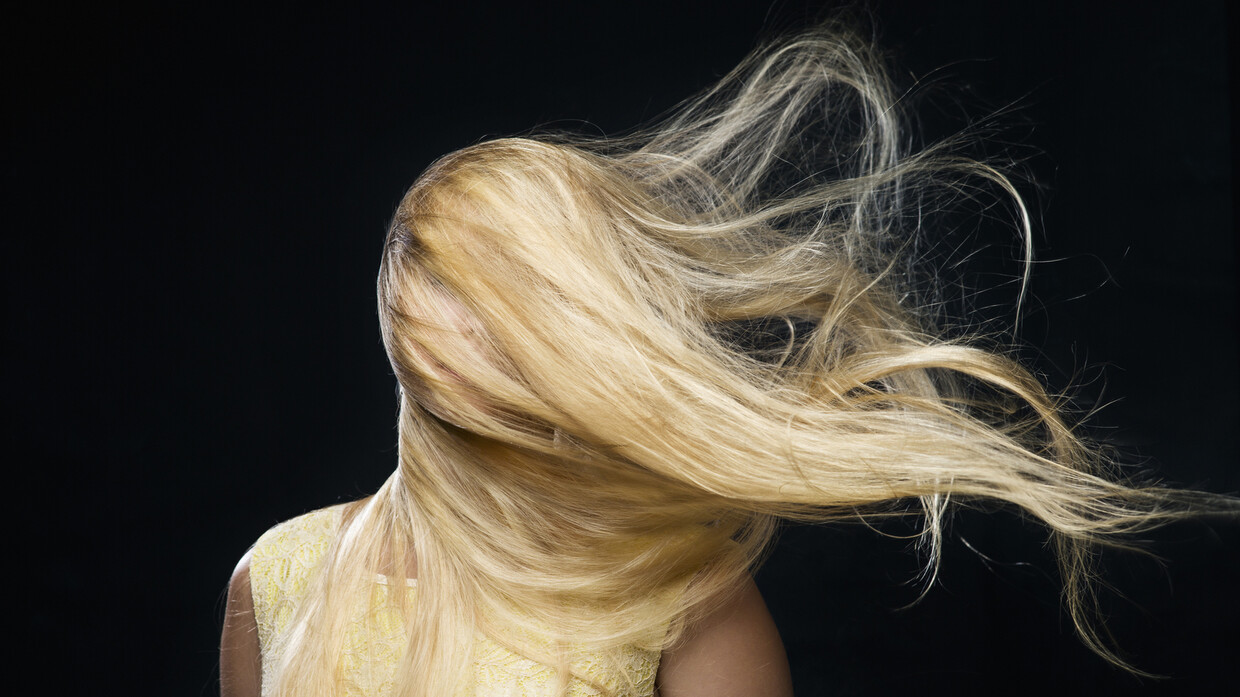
(623,361)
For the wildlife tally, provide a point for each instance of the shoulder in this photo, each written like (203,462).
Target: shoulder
(279,567)
(240,650)
(239,583)
(733,650)
(297,543)
(240,598)
(296,536)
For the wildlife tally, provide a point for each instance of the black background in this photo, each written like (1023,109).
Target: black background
(196,196)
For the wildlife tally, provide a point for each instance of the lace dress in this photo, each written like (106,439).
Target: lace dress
(281,565)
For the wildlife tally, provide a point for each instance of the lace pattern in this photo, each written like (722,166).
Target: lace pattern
(281,566)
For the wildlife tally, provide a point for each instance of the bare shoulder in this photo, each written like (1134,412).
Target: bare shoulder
(735,651)
(239,582)
(240,655)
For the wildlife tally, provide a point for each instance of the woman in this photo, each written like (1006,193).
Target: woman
(621,362)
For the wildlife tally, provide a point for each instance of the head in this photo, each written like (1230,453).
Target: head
(482,279)
(535,316)
(532,291)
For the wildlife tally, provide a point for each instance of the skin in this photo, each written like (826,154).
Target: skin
(735,651)
(241,669)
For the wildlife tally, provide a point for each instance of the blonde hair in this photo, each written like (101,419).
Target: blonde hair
(622,361)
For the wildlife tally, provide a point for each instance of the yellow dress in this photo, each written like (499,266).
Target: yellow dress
(281,565)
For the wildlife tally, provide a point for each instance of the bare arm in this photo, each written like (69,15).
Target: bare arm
(241,669)
(733,652)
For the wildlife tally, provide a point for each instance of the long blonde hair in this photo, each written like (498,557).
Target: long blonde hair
(622,361)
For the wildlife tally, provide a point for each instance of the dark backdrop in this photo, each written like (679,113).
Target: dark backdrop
(196,197)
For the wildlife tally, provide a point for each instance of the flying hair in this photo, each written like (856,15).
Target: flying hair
(623,361)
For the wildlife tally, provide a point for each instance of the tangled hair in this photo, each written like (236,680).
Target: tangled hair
(623,361)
